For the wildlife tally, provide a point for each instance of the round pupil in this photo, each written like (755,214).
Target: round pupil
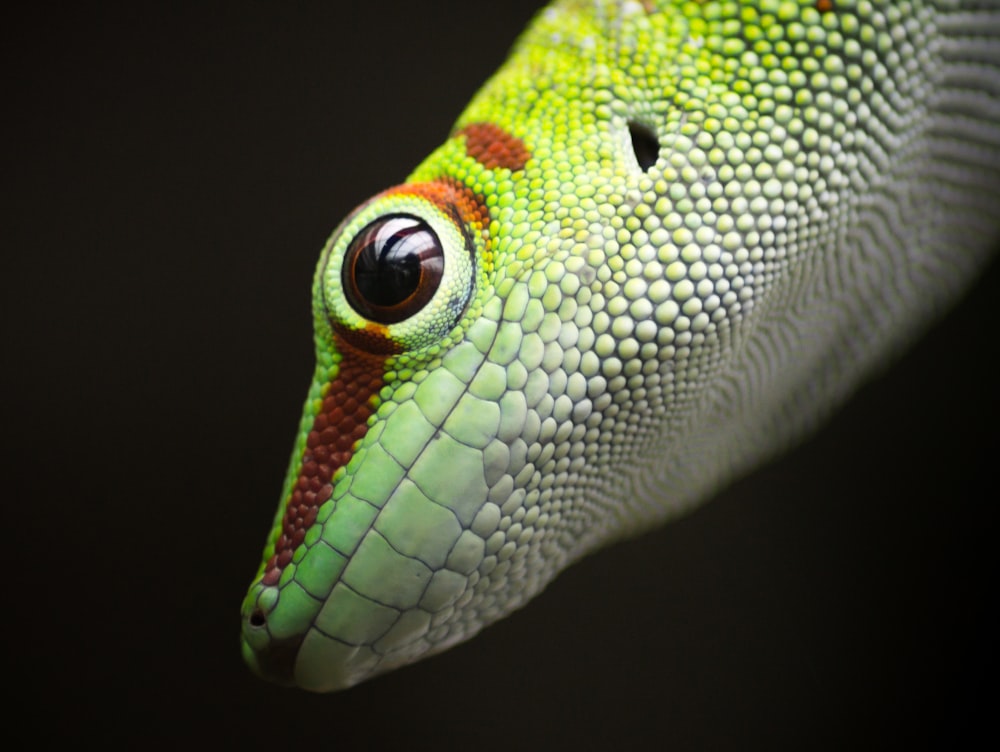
(392,268)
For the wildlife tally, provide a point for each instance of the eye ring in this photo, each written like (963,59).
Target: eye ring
(392,268)
(401,271)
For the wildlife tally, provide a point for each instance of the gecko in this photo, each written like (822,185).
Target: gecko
(661,245)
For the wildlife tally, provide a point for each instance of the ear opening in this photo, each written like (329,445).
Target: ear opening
(645,144)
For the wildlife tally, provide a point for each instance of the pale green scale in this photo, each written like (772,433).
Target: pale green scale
(730,212)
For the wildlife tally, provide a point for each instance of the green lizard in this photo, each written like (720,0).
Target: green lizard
(662,242)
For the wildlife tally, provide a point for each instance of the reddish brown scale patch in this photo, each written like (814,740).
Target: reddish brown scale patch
(493,147)
(340,423)
(374,338)
(824,5)
(463,205)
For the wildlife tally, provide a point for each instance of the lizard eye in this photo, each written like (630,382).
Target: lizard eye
(400,271)
(392,268)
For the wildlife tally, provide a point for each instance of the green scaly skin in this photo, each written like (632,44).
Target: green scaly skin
(619,337)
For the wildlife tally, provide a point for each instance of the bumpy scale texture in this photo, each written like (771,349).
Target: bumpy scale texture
(615,335)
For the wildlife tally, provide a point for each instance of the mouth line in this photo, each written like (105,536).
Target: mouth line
(276,661)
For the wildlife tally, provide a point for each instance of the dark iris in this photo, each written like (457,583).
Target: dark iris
(392,268)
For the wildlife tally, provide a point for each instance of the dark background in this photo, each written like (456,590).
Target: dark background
(169,179)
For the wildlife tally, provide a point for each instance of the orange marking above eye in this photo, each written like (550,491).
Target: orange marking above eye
(452,198)
(493,147)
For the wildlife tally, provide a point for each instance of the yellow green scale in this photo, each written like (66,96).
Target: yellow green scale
(730,212)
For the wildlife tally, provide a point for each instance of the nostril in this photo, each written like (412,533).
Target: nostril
(257,618)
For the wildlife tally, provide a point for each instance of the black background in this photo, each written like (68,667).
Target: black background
(169,178)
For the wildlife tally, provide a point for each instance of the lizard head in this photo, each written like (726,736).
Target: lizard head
(647,257)
(499,342)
